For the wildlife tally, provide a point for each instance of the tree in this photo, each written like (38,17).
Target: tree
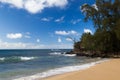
(87,41)
(105,15)
(77,46)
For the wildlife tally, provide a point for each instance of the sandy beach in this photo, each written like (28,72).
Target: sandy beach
(109,70)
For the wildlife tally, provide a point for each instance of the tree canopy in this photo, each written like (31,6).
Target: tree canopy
(105,15)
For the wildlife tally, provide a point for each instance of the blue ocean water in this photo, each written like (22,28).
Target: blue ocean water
(15,64)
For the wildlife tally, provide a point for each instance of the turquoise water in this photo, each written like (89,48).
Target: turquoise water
(15,64)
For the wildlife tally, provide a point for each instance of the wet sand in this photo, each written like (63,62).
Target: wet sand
(109,70)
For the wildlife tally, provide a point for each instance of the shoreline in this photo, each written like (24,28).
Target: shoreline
(107,70)
(61,70)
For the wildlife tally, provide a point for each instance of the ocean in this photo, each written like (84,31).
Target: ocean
(40,63)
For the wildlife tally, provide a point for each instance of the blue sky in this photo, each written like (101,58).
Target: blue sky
(39,24)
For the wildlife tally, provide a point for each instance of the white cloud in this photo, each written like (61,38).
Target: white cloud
(72,32)
(28,33)
(87,31)
(14,3)
(27,36)
(75,21)
(35,6)
(45,19)
(38,40)
(61,46)
(60,19)
(61,33)
(14,35)
(7,45)
(84,9)
(21,45)
(69,39)
(95,6)
(59,40)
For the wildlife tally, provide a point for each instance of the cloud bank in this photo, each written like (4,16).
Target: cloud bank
(35,6)
(21,45)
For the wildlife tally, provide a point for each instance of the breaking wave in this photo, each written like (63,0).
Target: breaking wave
(62,54)
(61,70)
(15,59)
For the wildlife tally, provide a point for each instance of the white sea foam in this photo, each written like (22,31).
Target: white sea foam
(27,58)
(59,71)
(2,59)
(55,53)
(62,54)
(17,58)
(70,55)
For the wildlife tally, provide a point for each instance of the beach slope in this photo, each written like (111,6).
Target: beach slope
(109,70)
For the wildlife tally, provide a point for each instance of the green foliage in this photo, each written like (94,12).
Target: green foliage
(87,41)
(106,18)
(105,41)
(77,46)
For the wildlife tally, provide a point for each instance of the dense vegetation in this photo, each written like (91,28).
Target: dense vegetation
(105,15)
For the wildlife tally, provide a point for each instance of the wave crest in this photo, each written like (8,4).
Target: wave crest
(60,71)
(62,54)
(15,59)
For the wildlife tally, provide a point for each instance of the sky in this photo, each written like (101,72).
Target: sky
(42,24)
